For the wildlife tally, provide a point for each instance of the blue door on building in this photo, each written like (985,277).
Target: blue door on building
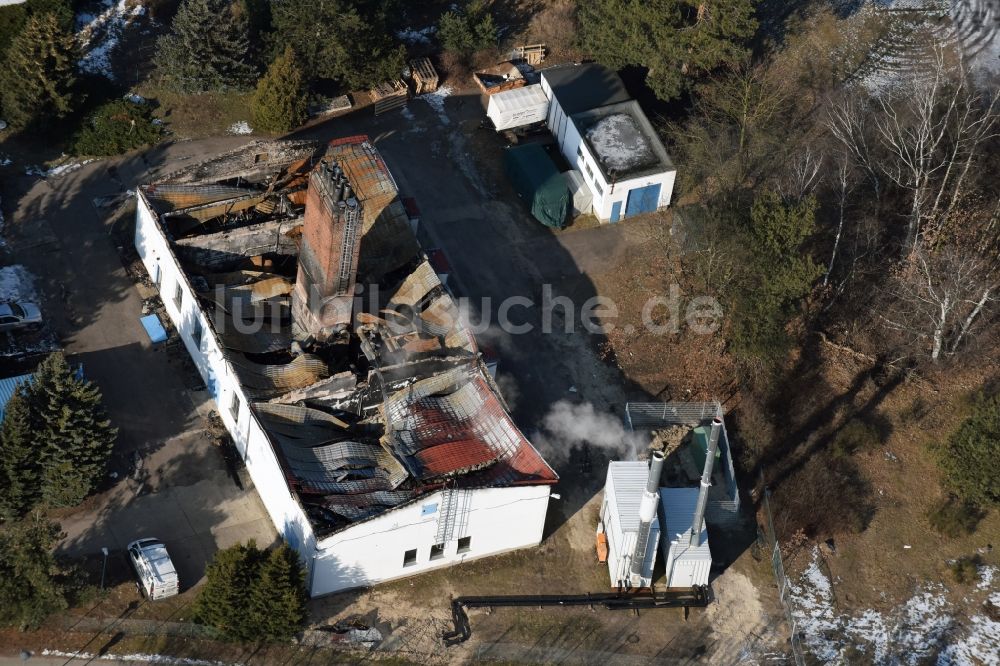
(642,200)
(616,211)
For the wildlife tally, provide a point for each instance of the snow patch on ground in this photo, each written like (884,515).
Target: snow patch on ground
(922,627)
(422,36)
(56,171)
(99,35)
(241,127)
(986,575)
(436,100)
(16,284)
(148,658)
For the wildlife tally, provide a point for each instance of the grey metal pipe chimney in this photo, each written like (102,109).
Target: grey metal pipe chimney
(647,514)
(706,481)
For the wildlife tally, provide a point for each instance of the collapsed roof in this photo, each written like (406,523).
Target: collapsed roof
(366,414)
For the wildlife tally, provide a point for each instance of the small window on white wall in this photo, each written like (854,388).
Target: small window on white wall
(600,190)
(178,295)
(234,406)
(410,557)
(589,172)
(437,551)
(465,544)
(197,333)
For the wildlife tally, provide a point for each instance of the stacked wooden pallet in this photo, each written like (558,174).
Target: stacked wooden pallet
(533,54)
(425,77)
(389,96)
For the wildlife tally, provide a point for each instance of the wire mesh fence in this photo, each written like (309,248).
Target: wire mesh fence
(784,587)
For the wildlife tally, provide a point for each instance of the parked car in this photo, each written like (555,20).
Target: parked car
(157,576)
(18,315)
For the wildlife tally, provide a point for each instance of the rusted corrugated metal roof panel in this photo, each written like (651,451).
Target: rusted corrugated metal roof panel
(300,372)
(416,285)
(459,411)
(167,198)
(457,457)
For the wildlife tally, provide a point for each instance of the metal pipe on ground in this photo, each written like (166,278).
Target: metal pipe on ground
(696,597)
(706,481)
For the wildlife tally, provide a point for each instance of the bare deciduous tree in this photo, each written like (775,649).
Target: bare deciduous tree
(939,298)
(931,127)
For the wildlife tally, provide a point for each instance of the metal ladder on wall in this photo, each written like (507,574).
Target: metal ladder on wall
(453,515)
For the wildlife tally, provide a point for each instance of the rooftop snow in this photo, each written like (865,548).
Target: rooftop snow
(619,144)
(622,140)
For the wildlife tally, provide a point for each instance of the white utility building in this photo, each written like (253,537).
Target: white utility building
(606,136)
(378,451)
(628,518)
(688,561)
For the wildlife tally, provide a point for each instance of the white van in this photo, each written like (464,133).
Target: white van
(157,576)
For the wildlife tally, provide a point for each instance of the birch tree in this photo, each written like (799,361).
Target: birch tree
(940,298)
(931,129)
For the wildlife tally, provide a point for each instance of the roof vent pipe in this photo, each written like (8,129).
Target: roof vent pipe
(706,481)
(647,514)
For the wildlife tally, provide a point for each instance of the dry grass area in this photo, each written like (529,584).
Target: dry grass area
(676,364)
(197,116)
(899,550)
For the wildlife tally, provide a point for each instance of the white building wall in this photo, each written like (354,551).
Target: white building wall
(498,520)
(249,437)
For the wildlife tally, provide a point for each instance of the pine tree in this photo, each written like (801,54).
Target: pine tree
(252,595)
(19,469)
(279,103)
(31,585)
(57,439)
(776,274)
(37,80)
(224,601)
(278,597)
(468,30)
(674,40)
(207,48)
(355,47)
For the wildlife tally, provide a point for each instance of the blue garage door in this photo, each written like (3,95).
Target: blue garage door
(642,200)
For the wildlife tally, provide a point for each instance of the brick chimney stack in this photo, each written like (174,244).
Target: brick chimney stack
(328,259)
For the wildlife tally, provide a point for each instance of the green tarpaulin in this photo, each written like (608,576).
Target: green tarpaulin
(539,183)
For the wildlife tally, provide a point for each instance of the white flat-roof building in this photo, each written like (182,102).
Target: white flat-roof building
(379,452)
(605,135)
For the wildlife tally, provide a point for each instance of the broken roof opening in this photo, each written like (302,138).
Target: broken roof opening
(366,411)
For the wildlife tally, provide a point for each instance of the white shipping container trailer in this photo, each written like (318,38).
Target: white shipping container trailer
(518,107)
(688,565)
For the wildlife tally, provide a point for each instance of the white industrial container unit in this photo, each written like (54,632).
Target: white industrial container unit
(518,107)
(688,562)
(620,519)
